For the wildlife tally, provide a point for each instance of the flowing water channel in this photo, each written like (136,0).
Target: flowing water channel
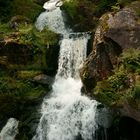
(67,115)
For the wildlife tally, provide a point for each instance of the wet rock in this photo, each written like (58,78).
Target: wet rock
(99,64)
(43,79)
(117,32)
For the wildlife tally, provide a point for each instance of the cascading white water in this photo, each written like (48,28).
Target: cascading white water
(54,20)
(10,130)
(67,115)
(73,53)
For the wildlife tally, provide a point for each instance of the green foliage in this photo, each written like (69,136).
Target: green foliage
(103,86)
(81,13)
(115,7)
(32,44)
(107,98)
(85,13)
(71,6)
(19,97)
(27,8)
(27,74)
(105,5)
(29,35)
(122,85)
(118,81)
(4,28)
(131,60)
(46,37)
(104,93)
(19,87)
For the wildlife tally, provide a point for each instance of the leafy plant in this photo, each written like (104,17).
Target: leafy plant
(115,7)
(131,60)
(118,81)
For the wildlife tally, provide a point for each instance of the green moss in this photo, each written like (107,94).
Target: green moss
(20,87)
(118,81)
(110,97)
(27,8)
(28,35)
(27,74)
(81,13)
(105,5)
(107,98)
(85,13)
(17,95)
(115,7)
(131,60)
(27,44)
(124,85)
(71,6)
(4,28)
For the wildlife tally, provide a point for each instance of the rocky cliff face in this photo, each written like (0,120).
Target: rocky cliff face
(117,33)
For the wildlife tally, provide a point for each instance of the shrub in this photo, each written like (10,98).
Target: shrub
(118,81)
(131,60)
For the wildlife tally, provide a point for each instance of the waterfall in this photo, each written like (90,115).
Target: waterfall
(54,20)
(67,115)
(72,55)
(10,130)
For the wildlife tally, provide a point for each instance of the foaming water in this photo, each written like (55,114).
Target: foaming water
(68,115)
(10,130)
(54,20)
(73,53)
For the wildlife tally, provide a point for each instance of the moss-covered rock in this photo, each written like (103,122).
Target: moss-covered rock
(99,64)
(110,73)
(25,53)
(116,32)
(120,91)
(20,97)
(25,47)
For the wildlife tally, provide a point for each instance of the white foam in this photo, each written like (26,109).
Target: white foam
(54,20)
(67,114)
(10,130)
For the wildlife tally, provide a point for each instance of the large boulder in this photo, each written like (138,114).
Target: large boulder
(117,31)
